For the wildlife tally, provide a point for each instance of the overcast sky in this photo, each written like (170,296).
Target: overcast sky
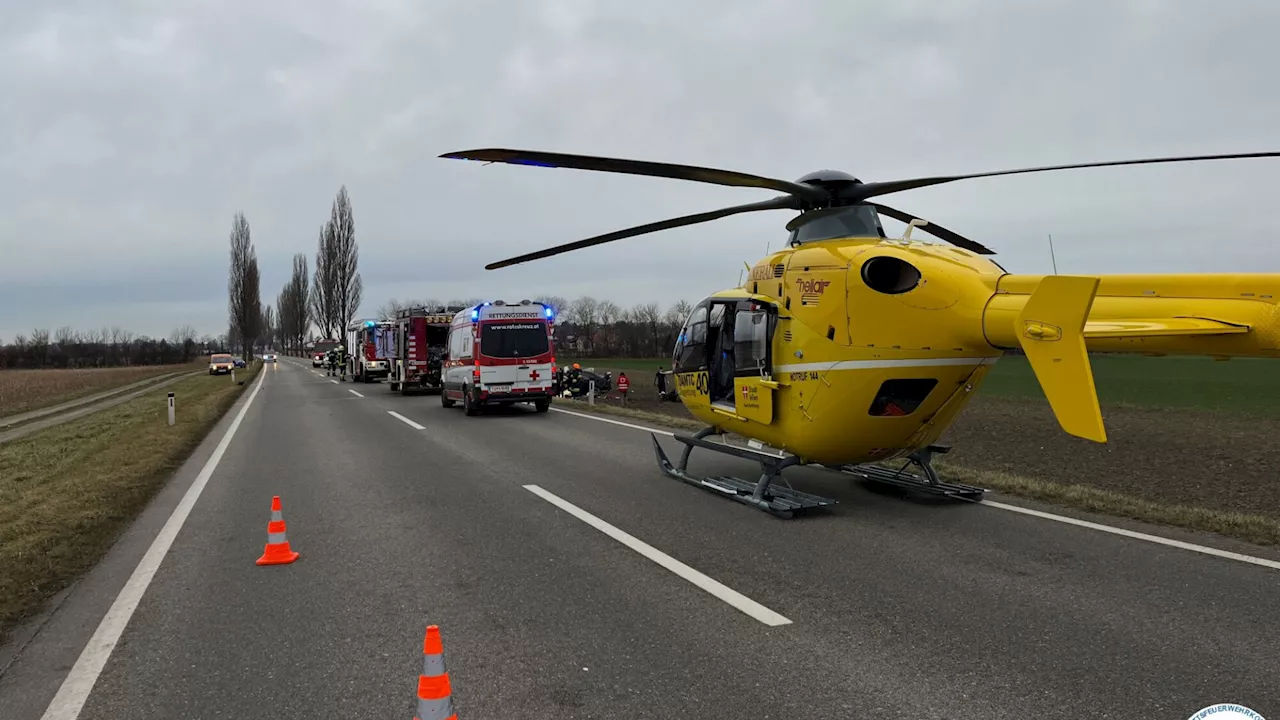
(132,132)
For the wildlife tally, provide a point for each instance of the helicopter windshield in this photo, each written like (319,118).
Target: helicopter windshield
(852,221)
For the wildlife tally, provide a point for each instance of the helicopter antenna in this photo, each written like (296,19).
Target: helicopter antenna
(1051,255)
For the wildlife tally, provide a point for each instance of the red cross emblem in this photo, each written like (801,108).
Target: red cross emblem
(533,375)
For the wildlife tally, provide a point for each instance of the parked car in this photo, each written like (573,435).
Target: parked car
(239,362)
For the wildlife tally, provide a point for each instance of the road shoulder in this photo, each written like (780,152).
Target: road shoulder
(38,654)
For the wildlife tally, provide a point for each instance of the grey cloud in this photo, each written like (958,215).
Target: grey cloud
(134,130)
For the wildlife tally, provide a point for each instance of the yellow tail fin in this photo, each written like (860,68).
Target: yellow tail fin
(1051,332)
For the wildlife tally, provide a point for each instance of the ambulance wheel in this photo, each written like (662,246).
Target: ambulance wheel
(445,401)
(541,405)
(468,406)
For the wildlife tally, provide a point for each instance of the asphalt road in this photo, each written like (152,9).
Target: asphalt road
(897,609)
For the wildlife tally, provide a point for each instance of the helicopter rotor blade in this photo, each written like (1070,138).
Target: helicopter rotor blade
(873,189)
(713,176)
(779,203)
(935,230)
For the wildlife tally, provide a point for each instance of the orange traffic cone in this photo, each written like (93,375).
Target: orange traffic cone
(435,696)
(277,551)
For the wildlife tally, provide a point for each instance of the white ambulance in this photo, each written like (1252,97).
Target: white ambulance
(498,354)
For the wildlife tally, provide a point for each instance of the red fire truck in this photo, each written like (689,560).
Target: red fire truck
(367,346)
(419,339)
(320,348)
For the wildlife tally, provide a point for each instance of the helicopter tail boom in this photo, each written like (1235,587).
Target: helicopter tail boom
(1058,320)
(1220,315)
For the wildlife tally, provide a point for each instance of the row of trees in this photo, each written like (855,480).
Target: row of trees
(328,300)
(107,347)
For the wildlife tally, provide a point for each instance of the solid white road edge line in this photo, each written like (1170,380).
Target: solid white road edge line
(1137,535)
(1036,513)
(723,592)
(614,422)
(75,689)
(353,392)
(406,420)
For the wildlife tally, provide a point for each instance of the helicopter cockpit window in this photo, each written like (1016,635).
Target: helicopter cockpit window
(852,221)
(717,315)
(751,340)
(691,353)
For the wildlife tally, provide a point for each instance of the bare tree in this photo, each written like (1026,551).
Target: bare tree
(677,314)
(558,304)
(585,313)
(284,319)
(294,307)
(324,289)
(243,287)
(270,329)
(389,309)
(182,334)
(299,307)
(648,317)
(346,251)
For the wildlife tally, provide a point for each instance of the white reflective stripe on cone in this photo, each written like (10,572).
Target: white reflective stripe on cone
(433,665)
(441,709)
(276,538)
(277,516)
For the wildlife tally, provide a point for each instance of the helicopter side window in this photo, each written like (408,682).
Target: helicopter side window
(691,346)
(901,396)
(751,341)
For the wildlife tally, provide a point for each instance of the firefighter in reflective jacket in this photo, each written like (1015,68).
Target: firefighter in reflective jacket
(342,362)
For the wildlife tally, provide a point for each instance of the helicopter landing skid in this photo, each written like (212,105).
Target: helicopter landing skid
(782,502)
(927,482)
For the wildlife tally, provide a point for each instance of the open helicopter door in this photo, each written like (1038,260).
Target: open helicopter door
(753,385)
(739,357)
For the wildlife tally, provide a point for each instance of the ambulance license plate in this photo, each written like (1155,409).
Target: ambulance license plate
(499,388)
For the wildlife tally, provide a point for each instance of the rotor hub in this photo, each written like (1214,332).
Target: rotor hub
(829,178)
(834,182)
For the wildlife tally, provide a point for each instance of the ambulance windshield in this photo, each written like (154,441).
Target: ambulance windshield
(513,339)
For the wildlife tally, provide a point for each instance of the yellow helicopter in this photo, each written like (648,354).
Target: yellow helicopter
(848,348)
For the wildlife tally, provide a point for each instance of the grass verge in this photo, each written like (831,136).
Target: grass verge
(22,391)
(67,492)
(1250,528)
(1243,385)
